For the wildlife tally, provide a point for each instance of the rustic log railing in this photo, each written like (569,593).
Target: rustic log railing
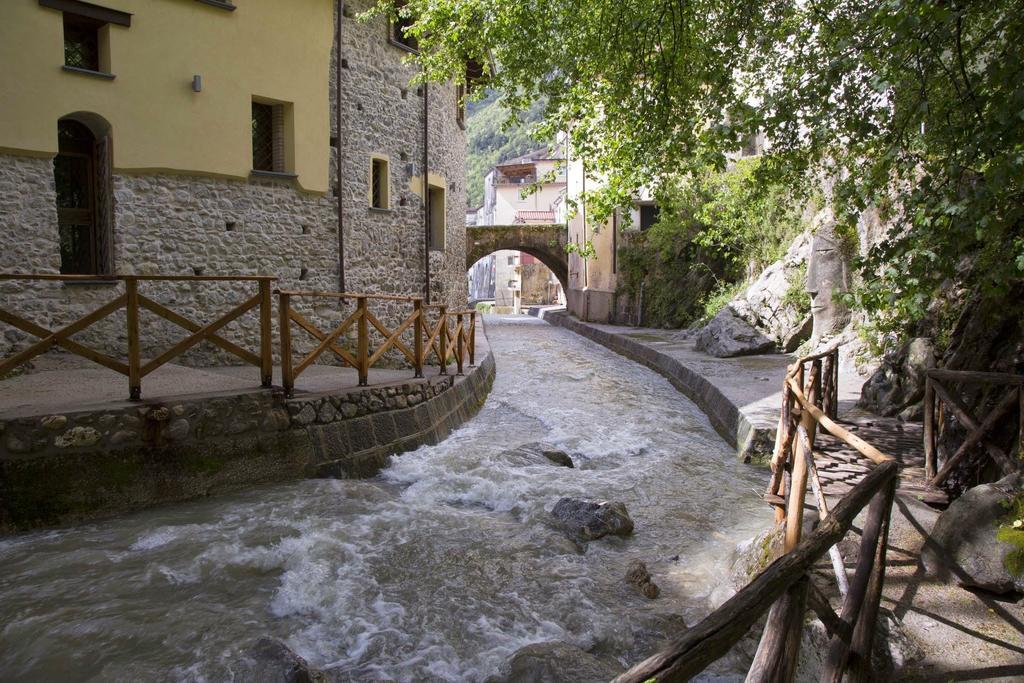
(133,302)
(429,338)
(938,394)
(784,589)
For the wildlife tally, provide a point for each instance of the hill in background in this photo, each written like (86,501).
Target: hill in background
(487,144)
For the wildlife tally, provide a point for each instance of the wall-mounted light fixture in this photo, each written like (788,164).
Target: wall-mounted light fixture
(197,83)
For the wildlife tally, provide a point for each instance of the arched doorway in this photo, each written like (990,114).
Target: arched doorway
(82,177)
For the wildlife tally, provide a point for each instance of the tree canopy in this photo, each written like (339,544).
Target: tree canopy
(915,107)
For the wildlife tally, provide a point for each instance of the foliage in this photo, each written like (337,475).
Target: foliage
(1011,531)
(796,296)
(495,134)
(914,106)
(713,228)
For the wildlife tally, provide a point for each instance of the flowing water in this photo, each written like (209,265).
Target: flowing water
(437,569)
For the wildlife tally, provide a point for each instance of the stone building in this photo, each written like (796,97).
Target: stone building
(201,137)
(526,190)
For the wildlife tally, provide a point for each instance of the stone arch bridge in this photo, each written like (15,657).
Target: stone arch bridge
(545,242)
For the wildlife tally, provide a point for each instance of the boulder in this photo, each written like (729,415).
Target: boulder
(768,303)
(589,520)
(555,662)
(753,555)
(963,547)
(537,454)
(557,456)
(638,576)
(729,335)
(897,386)
(271,661)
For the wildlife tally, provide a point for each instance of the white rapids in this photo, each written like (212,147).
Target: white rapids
(435,570)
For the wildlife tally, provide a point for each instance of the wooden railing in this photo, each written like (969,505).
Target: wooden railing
(133,302)
(784,588)
(430,337)
(938,395)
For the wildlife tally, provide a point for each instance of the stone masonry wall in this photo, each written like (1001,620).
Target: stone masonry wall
(188,225)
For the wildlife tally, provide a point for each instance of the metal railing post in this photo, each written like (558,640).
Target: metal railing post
(472,339)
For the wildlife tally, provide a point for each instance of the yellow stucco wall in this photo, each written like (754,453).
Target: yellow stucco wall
(276,50)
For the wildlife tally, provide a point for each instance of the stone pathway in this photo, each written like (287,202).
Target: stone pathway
(841,467)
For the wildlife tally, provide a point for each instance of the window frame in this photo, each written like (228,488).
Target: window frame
(379,161)
(435,213)
(281,139)
(397,37)
(650,206)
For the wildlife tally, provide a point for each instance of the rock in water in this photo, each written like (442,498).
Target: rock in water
(555,662)
(537,453)
(638,576)
(271,661)
(729,335)
(963,546)
(589,520)
(558,457)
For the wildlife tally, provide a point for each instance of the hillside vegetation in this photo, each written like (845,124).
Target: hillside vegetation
(490,141)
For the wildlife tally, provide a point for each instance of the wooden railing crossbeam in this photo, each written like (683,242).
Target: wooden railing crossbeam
(182,321)
(690,653)
(327,341)
(392,338)
(436,338)
(133,301)
(320,335)
(203,333)
(55,338)
(67,344)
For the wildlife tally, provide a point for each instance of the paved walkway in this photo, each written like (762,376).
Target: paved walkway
(62,384)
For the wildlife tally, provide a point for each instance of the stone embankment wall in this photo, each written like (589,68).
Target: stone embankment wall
(64,468)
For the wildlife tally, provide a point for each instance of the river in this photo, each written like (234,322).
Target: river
(435,570)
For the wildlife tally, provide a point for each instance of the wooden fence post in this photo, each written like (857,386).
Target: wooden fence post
(816,380)
(472,353)
(798,463)
(866,585)
(929,429)
(131,288)
(418,337)
(266,340)
(363,353)
(835,385)
(287,374)
(443,340)
(459,347)
(779,648)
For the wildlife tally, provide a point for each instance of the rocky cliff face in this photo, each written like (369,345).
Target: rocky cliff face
(771,314)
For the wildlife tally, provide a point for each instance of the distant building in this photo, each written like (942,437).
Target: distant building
(529,189)
(593,282)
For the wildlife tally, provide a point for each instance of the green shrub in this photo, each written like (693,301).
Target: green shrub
(711,229)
